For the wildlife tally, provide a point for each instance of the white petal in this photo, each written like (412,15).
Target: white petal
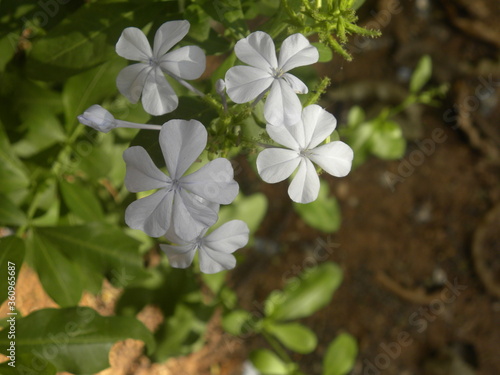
(335,158)
(305,185)
(168,35)
(158,97)
(142,174)
(276,164)
(213,261)
(296,84)
(290,136)
(245,83)
(297,51)
(282,106)
(257,50)
(181,142)
(151,214)
(190,217)
(131,79)
(133,45)
(179,256)
(228,238)
(213,182)
(186,62)
(318,124)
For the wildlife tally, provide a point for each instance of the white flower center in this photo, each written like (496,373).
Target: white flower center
(175,185)
(277,72)
(152,62)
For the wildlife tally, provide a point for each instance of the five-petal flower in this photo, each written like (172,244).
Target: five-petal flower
(302,140)
(190,202)
(266,72)
(215,249)
(147,77)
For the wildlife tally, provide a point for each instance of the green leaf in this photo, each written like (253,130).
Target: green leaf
(357,4)
(90,87)
(355,116)
(268,363)
(387,141)
(11,260)
(422,74)
(7,50)
(10,214)
(81,201)
(294,336)
(76,339)
(237,322)
(98,250)
(181,335)
(322,214)
(325,53)
(28,364)
(87,37)
(13,173)
(61,278)
(306,294)
(341,355)
(251,209)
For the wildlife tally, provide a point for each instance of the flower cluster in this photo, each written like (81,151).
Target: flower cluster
(185,205)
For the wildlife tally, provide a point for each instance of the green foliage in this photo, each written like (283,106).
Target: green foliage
(340,355)
(293,336)
(421,75)
(322,214)
(28,364)
(67,338)
(305,294)
(268,363)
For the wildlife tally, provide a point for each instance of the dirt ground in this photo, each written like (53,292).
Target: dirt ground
(419,242)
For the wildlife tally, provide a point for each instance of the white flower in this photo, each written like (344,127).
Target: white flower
(181,201)
(245,83)
(302,139)
(98,118)
(147,78)
(215,249)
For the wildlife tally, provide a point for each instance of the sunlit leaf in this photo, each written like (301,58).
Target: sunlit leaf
(340,356)
(294,336)
(421,74)
(268,363)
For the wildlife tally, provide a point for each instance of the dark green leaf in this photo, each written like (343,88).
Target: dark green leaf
(61,278)
(294,336)
(10,214)
(13,173)
(11,260)
(28,364)
(322,214)
(87,37)
(340,355)
(81,201)
(76,339)
(306,294)
(325,53)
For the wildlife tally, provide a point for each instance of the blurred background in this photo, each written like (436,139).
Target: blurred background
(418,242)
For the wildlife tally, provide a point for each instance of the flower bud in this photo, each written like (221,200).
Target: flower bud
(98,118)
(220,86)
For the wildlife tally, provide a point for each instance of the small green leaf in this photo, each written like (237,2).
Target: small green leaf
(387,141)
(268,363)
(294,336)
(422,74)
(70,337)
(355,116)
(13,173)
(250,208)
(81,201)
(340,356)
(11,260)
(237,322)
(325,52)
(306,294)
(357,4)
(322,214)
(10,214)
